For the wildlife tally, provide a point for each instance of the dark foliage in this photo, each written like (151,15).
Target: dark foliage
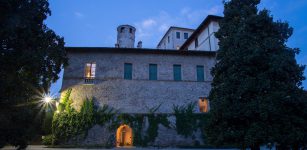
(31,56)
(186,119)
(256,95)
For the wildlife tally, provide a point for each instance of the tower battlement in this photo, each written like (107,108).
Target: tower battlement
(125,36)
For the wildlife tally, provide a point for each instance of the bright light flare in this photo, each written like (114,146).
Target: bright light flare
(47,102)
(47,99)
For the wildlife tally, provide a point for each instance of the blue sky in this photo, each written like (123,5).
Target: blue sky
(92,23)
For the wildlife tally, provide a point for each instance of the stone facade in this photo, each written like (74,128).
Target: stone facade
(139,94)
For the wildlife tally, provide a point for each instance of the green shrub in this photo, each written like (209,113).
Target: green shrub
(48,139)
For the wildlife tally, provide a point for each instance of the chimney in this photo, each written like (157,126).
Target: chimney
(139,44)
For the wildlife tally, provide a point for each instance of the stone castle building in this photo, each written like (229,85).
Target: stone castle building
(133,80)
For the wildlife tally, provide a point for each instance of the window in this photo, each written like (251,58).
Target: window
(178,35)
(177,72)
(122,29)
(128,71)
(90,69)
(186,35)
(153,72)
(130,30)
(196,42)
(203,104)
(200,73)
(167,39)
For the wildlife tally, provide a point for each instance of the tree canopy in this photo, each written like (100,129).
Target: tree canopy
(31,56)
(256,95)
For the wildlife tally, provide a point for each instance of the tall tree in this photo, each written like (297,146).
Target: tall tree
(256,95)
(31,56)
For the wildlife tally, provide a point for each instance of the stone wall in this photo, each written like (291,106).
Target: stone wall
(167,137)
(139,94)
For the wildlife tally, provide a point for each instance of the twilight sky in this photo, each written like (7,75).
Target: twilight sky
(93,23)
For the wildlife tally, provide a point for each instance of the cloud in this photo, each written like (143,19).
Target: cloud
(185,10)
(150,27)
(148,23)
(163,27)
(79,15)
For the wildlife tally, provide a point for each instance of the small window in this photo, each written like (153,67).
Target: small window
(128,71)
(90,70)
(130,30)
(167,39)
(186,35)
(122,29)
(200,73)
(153,72)
(177,72)
(178,35)
(203,104)
(196,42)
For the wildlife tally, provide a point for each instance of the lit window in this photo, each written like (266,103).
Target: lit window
(178,35)
(186,35)
(90,69)
(203,104)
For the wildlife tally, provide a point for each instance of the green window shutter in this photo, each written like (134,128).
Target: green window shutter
(153,72)
(177,72)
(128,71)
(200,73)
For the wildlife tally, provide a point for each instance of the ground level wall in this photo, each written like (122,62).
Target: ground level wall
(167,136)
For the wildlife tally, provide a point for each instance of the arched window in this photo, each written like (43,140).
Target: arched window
(124,136)
(122,29)
(203,104)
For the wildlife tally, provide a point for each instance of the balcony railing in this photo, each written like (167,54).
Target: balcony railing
(89,80)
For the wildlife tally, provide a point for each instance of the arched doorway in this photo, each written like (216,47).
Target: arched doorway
(124,136)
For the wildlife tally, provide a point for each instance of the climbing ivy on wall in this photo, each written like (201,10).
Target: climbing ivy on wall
(188,122)
(137,123)
(70,125)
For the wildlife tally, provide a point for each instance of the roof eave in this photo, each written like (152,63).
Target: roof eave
(206,21)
